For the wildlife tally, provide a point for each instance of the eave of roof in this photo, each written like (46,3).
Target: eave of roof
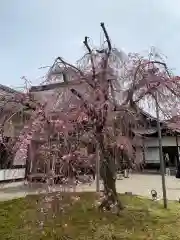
(8,89)
(145,131)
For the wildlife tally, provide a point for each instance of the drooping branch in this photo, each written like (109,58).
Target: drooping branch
(149,80)
(91,57)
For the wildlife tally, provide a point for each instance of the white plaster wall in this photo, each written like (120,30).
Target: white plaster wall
(166,141)
(2,172)
(152,155)
(12,174)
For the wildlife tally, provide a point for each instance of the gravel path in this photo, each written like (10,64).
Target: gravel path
(137,184)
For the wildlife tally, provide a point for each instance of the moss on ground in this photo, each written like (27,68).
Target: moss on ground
(78,219)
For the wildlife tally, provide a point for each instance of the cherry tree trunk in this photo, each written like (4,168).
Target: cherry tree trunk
(108,175)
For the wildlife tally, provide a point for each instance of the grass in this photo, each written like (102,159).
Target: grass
(79,219)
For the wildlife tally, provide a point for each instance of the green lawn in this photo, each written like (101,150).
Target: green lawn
(79,219)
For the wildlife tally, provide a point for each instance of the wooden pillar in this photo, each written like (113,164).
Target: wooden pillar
(30,158)
(97,169)
(161,152)
(143,149)
(28,162)
(177,145)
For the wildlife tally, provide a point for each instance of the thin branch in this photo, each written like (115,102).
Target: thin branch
(77,94)
(70,65)
(164,65)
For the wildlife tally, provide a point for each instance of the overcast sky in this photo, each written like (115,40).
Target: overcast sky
(33,33)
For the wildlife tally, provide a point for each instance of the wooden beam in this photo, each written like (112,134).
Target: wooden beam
(177,144)
(55,85)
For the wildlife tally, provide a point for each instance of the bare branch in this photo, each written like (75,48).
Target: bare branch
(107,38)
